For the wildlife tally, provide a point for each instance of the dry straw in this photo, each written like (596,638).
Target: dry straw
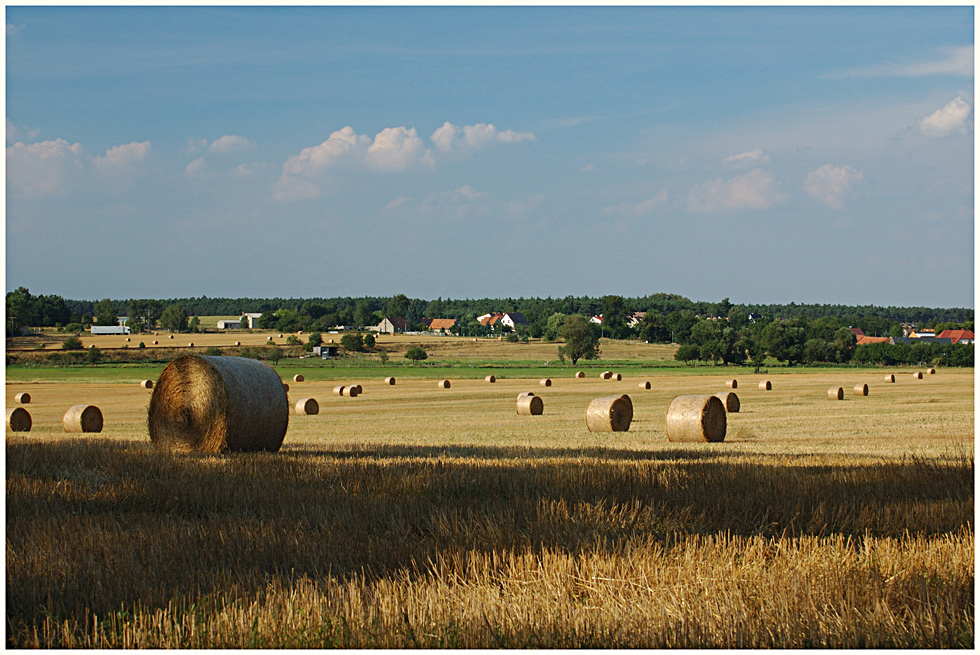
(338,390)
(609,414)
(732,384)
(917,375)
(931,371)
(616,376)
(390,381)
(545,382)
(580,374)
(524,393)
(765,385)
(644,385)
(82,418)
(298,378)
(238,343)
(490,378)
(191,344)
(156,343)
(307,406)
(285,386)
(730,400)
(171,336)
(860,390)
(23,398)
(146,384)
(889,378)
(835,393)
(444,384)
(213,404)
(530,405)
(605,375)
(18,420)
(351,391)
(696,418)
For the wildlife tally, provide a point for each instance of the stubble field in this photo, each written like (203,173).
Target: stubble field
(413,516)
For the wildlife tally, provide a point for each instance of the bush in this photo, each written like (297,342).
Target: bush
(369,341)
(353,342)
(416,354)
(94,355)
(71,343)
(212,351)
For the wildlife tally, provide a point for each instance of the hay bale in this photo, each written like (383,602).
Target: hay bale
(580,374)
(191,344)
(491,379)
(18,420)
(238,343)
(616,377)
(545,382)
(835,393)
(338,390)
(890,378)
(931,371)
(765,385)
(730,400)
(285,387)
(127,339)
(524,393)
(644,385)
(696,418)
(359,388)
(146,384)
(171,336)
(732,384)
(860,390)
(605,375)
(350,392)
(23,398)
(280,336)
(390,381)
(307,406)
(444,384)
(298,378)
(609,414)
(917,375)
(156,343)
(213,404)
(530,405)
(82,418)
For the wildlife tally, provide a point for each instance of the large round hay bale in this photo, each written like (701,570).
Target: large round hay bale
(359,388)
(23,398)
(732,384)
(890,378)
(580,374)
(286,387)
(730,400)
(917,375)
(307,406)
(616,377)
(545,382)
(18,420)
(237,343)
(298,378)
(860,390)
(156,342)
(191,344)
(213,404)
(82,418)
(491,379)
(338,390)
(524,393)
(931,371)
(171,336)
(605,375)
(351,391)
(127,339)
(609,414)
(696,418)
(444,384)
(765,385)
(146,384)
(390,381)
(835,393)
(644,385)
(530,405)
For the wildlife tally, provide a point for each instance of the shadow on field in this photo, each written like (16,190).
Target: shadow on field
(98,524)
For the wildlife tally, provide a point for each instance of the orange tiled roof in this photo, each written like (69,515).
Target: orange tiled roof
(862,340)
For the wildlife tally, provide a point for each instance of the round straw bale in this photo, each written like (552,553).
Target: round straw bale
(298,378)
(156,342)
(308,406)
(530,405)
(730,400)
(444,384)
(889,378)
(732,384)
(359,388)
(835,393)
(605,375)
(545,382)
(765,385)
(524,393)
(390,380)
(191,344)
(280,336)
(23,398)
(860,390)
(338,390)
(269,339)
(917,375)
(351,391)
(92,345)
(696,418)
(580,374)
(127,339)
(82,418)
(931,371)
(18,420)
(609,414)
(237,343)
(616,376)
(491,379)
(644,385)
(213,404)
(285,386)
(171,336)
(146,384)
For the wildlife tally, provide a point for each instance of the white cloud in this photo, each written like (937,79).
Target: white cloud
(195,167)
(15,133)
(951,119)
(395,149)
(641,208)
(289,187)
(230,143)
(444,136)
(952,61)
(829,184)
(750,158)
(475,137)
(510,136)
(42,168)
(341,144)
(753,190)
(120,158)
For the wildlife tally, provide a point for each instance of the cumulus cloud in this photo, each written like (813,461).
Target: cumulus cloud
(15,133)
(230,143)
(395,149)
(753,190)
(444,136)
(476,137)
(829,184)
(641,208)
(342,143)
(195,167)
(750,158)
(951,119)
(120,158)
(42,168)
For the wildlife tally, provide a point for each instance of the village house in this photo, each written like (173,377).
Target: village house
(392,325)
(957,336)
(443,325)
(510,319)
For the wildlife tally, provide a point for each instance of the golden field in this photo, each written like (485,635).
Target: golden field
(413,516)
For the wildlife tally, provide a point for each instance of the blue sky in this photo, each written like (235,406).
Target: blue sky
(764,154)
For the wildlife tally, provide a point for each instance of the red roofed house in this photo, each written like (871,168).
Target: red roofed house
(858,332)
(957,336)
(864,340)
(444,324)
